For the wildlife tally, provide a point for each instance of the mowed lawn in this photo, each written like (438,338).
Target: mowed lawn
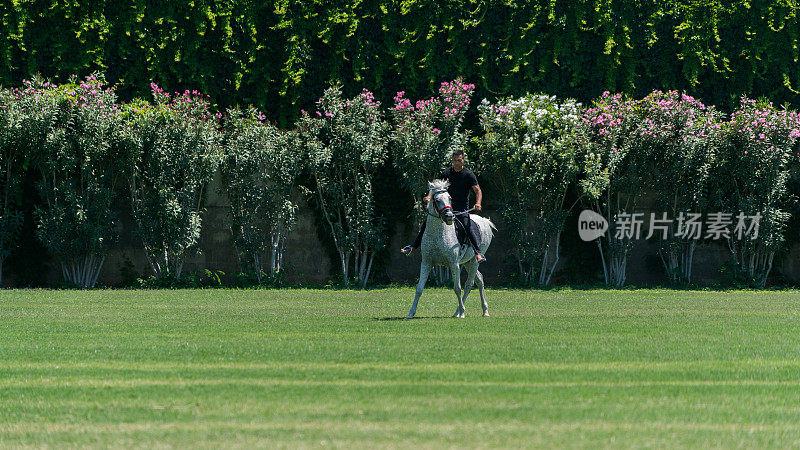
(299,368)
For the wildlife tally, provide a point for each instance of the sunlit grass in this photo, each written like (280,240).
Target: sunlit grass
(288,368)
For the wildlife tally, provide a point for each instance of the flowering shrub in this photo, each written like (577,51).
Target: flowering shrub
(760,142)
(615,174)
(531,146)
(80,164)
(346,141)
(174,152)
(426,133)
(682,136)
(260,166)
(668,144)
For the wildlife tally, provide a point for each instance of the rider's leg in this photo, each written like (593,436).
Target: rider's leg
(417,242)
(473,240)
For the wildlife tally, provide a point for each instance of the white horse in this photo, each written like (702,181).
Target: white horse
(440,247)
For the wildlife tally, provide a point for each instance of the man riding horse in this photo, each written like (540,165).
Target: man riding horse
(461,181)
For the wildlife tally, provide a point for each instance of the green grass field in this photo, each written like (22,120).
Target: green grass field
(298,368)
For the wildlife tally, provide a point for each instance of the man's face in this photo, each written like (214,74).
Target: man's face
(458,162)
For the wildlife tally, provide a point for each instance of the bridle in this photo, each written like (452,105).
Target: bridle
(439,211)
(444,208)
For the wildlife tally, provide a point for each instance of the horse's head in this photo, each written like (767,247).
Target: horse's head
(440,200)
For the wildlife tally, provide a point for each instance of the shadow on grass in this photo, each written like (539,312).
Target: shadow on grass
(404,318)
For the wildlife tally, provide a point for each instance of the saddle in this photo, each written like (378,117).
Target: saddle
(461,233)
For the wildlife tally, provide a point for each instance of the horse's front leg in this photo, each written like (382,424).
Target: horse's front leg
(472,269)
(424,270)
(456,272)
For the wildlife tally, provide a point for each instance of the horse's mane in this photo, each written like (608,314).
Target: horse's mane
(439,184)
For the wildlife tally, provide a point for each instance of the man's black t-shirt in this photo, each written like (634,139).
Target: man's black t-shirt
(460,185)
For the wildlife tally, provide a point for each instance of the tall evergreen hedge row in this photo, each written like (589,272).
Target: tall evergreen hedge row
(275,54)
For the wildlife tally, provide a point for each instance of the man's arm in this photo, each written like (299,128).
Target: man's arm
(478,196)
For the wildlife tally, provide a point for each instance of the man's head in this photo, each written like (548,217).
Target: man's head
(458,160)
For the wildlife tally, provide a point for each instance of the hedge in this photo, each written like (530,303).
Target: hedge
(274,55)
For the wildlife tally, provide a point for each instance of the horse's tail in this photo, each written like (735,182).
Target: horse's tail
(491,225)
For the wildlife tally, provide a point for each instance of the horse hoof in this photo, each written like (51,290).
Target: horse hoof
(410,316)
(486,314)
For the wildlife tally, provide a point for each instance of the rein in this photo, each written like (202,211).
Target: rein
(443,208)
(455,214)
(433,215)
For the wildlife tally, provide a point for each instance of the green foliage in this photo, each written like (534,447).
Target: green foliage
(616,169)
(174,151)
(531,147)
(259,170)
(683,136)
(534,149)
(206,279)
(425,135)
(80,163)
(275,54)
(16,133)
(760,145)
(346,142)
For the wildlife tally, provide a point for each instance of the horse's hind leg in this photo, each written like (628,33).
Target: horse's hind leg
(484,305)
(424,270)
